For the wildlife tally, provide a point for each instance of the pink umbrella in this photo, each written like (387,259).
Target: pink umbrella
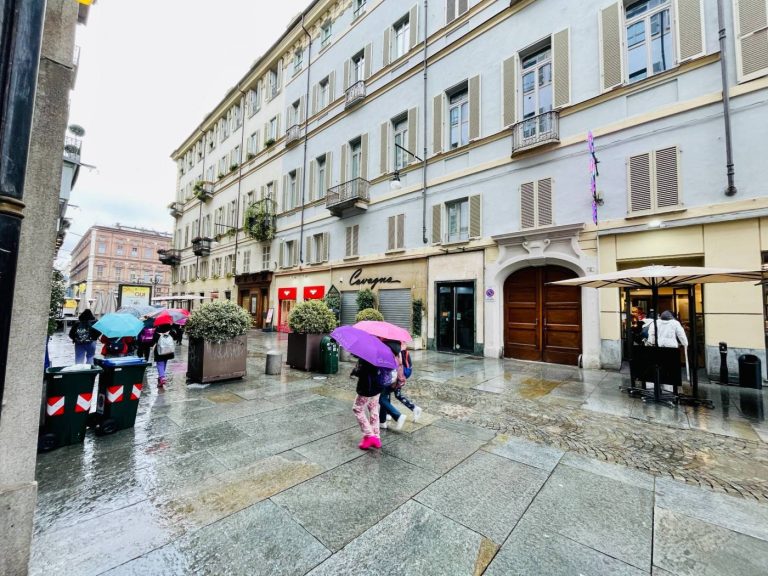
(384,330)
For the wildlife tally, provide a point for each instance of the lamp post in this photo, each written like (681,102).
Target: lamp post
(395,183)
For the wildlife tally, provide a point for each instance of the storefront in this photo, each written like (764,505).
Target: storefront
(286,296)
(253,295)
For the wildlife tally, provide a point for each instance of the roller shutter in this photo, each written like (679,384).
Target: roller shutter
(348,307)
(395,306)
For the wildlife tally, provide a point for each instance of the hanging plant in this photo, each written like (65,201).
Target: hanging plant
(418,307)
(269,142)
(259,222)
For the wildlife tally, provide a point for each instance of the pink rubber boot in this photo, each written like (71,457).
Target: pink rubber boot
(367,442)
(375,442)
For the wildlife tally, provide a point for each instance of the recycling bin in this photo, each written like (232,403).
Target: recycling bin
(120,386)
(66,404)
(750,371)
(329,355)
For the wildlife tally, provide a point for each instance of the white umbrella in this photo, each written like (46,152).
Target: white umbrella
(99,306)
(82,305)
(110,304)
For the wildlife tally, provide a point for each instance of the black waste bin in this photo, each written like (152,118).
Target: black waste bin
(120,386)
(66,405)
(750,371)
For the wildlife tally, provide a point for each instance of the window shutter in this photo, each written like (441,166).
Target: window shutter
(639,182)
(348,247)
(367,56)
(277,124)
(450,11)
(437,223)
(328,171)
(266,132)
(462,7)
(561,74)
(308,251)
(509,100)
(544,202)
(527,206)
(364,156)
(295,255)
(690,36)
(385,49)
(667,178)
(474,107)
(437,124)
(611,70)
(281,254)
(279,74)
(286,191)
(475,216)
(391,233)
(312,172)
(298,200)
(346,74)
(413,25)
(355,233)
(302,109)
(331,86)
(384,147)
(751,22)
(343,164)
(413,132)
(326,245)
(400,240)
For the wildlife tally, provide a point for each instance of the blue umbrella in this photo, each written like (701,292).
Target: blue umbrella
(365,346)
(116,325)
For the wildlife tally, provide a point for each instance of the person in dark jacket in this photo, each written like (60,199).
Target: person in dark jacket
(368,390)
(84,337)
(164,351)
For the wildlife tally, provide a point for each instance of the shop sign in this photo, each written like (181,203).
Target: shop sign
(131,295)
(314,292)
(357,280)
(286,294)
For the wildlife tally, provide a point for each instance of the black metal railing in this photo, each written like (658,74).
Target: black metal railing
(292,135)
(355,93)
(536,131)
(72,149)
(169,256)
(201,246)
(354,190)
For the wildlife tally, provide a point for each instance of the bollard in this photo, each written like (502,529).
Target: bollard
(723,363)
(274,363)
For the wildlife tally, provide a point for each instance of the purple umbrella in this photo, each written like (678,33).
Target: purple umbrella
(365,346)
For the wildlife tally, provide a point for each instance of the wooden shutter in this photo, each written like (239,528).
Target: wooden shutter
(474,107)
(348,245)
(413,133)
(326,245)
(385,49)
(331,86)
(277,124)
(355,234)
(450,11)
(462,7)
(295,255)
(266,132)
(346,74)
(611,59)
(302,109)
(343,164)
(667,177)
(413,25)
(312,173)
(364,156)
(544,202)
(527,205)
(383,147)
(437,224)
(286,191)
(751,19)
(391,223)
(690,32)
(437,124)
(280,255)
(475,216)
(308,250)
(509,90)
(561,68)
(328,171)
(368,62)
(639,179)
(298,200)
(400,239)
(279,74)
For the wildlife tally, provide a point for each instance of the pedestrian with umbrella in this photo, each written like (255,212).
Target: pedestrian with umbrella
(375,361)
(118,333)
(165,347)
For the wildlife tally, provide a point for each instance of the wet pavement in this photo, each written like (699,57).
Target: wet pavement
(514,468)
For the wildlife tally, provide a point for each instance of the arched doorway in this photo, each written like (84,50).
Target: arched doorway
(542,322)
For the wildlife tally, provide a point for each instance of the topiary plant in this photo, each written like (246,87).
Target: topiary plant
(366,299)
(369,314)
(418,306)
(218,321)
(312,317)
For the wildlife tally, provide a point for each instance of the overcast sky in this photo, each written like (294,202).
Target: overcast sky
(149,73)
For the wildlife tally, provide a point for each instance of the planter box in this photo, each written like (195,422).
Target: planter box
(209,362)
(345,355)
(304,351)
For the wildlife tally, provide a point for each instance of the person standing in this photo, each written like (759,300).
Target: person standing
(368,390)
(395,380)
(406,365)
(671,333)
(164,351)
(84,337)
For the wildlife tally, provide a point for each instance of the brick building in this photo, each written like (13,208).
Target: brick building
(107,256)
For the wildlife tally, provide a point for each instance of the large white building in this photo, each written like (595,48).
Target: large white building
(483,109)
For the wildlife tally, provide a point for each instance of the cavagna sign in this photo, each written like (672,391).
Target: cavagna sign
(357,280)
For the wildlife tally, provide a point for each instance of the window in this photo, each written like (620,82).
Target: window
(298,59)
(355,158)
(210,174)
(649,38)
(99,270)
(134,252)
(290,253)
(537,92)
(458,118)
(454,9)
(654,180)
(325,34)
(396,232)
(457,215)
(234,157)
(323,94)
(204,269)
(211,139)
(232,214)
(119,250)
(118,273)
(359,8)
(273,129)
(751,23)
(133,276)
(294,113)
(252,146)
(317,248)
(269,191)
(400,37)
(358,68)
(273,83)
(254,103)
(186,236)
(400,128)
(320,176)
(291,191)
(246,261)
(266,257)
(102,248)
(352,233)
(148,253)
(536,203)
(207,226)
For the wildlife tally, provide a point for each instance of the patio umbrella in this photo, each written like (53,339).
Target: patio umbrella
(116,325)
(110,303)
(82,305)
(365,346)
(99,305)
(384,330)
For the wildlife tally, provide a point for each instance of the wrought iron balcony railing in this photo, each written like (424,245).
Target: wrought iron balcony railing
(72,149)
(176,209)
(203,190)
(352,196)
(355,93)
(201,246)
(292,135)
(536,131)
(171,257)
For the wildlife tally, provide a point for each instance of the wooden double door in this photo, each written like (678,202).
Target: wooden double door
(542,322)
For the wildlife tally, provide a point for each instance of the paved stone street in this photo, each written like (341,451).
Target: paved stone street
(514,468)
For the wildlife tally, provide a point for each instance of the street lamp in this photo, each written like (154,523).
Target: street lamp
(395,183)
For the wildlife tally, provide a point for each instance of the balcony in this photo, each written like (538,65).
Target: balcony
(292,135)
(349,198)
(354,94)
(176,209)
(170,257)
(201,246)
(203,190)
(537,131)
(260,220)
(72,149)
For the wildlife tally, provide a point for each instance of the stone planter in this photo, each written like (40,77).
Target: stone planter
(210,362)
(304,351)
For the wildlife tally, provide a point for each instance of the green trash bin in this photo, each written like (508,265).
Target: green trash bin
(67,402)
(329,355)
(120,387)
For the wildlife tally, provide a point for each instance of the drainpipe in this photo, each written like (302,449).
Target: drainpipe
(424,155)
(200,213)
(239,183)
(306,136)
(731,189)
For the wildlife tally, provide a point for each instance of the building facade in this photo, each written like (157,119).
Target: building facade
(108,256)
(444,159)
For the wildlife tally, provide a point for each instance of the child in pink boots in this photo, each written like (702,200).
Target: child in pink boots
(368,389)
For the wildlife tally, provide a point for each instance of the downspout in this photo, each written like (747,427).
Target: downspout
(731,189)
(306,137)
(200,213)
(239,183)
(424,155)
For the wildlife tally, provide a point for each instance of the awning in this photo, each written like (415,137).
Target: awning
(314,292)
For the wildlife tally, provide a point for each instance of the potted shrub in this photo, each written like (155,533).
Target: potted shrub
(369,314)
(309,322)
(217,342)
(365,299)
(270,142)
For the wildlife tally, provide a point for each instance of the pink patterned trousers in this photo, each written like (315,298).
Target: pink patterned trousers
(368,425)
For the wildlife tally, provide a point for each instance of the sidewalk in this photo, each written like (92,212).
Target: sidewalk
(514,468)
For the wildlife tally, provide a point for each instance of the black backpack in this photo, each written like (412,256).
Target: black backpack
(115,346)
